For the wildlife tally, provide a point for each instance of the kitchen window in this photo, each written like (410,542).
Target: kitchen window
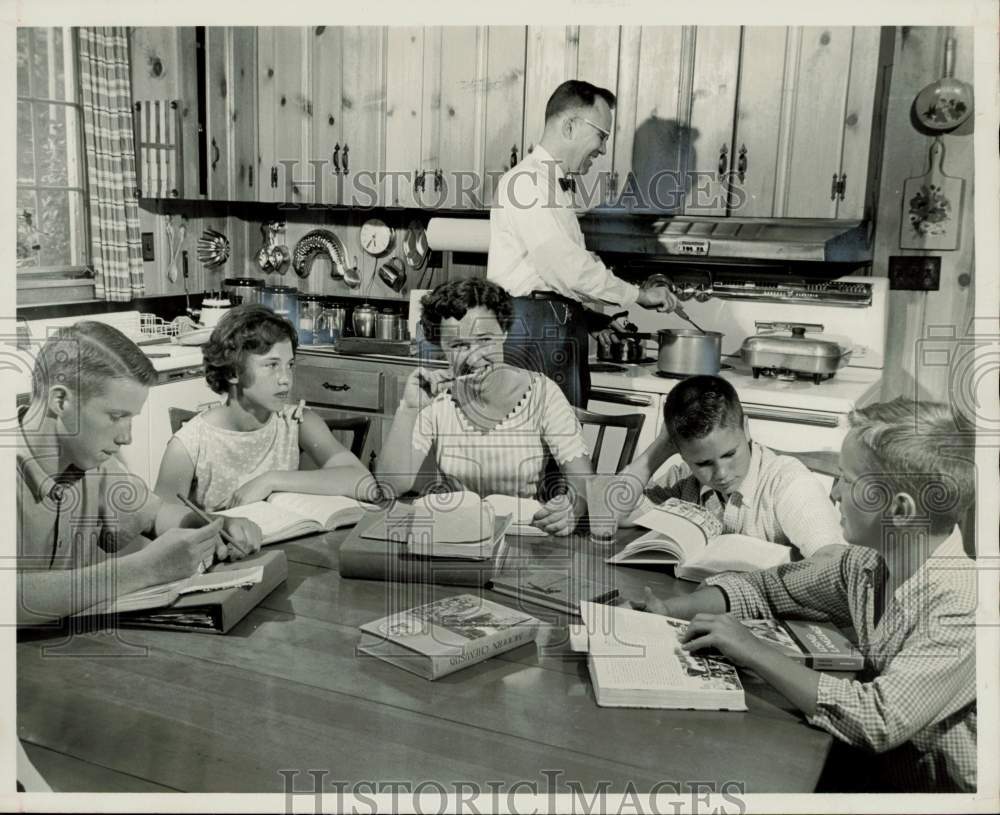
(52,222)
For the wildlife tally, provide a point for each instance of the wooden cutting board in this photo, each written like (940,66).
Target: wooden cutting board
(932,206)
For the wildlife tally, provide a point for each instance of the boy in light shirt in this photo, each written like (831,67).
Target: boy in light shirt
(751,489)
(907,587)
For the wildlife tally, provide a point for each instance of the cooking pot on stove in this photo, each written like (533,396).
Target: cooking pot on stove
(799,348)
(624,348)
(689,352)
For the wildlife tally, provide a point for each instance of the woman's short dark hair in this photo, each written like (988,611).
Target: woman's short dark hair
(700,404)
(455,298)
(243,330)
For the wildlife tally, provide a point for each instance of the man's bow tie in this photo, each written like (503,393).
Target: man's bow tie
(567,184)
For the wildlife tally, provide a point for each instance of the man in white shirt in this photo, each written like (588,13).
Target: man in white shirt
(537,251)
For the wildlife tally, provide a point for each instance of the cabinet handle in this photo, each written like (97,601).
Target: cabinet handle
(216,154)
(612,187)
(330,387)
(842,186)
(346,148)
(438,179)
(418,180)
(274,177)
(250,177)
(723,159)
(336,158)
(513,155)
(742,163)
(833,188)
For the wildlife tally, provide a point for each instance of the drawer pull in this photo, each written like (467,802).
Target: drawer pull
(330,387)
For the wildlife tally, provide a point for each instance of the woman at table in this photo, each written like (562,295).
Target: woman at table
(482,425)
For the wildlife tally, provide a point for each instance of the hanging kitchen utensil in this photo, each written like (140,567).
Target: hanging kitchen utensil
(273,256)
(393,274)
(175,243)
(947,103)
(213,248)
(317,242)
(932,206)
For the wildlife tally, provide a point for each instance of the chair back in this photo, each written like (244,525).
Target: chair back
(179,416)
(358,426)
(630,422)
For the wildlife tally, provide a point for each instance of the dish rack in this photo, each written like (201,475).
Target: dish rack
(151,327)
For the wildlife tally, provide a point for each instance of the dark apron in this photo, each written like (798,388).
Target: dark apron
(549,335)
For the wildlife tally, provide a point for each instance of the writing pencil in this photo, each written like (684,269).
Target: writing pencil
(203,515)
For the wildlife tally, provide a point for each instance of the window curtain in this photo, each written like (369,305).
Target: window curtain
(106,98)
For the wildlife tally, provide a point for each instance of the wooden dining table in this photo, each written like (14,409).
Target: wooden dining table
(284,698)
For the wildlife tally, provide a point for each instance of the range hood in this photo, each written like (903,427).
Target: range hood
(705,238)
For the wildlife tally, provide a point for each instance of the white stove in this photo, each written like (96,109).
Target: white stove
(795,414)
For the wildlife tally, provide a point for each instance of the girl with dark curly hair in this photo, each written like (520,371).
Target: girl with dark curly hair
(249,447)
(480,424)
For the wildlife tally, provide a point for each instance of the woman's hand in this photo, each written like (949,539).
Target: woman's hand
(256,489)
(245,537)
(424,384)
(558,516)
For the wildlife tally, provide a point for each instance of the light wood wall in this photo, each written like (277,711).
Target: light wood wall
(921,358)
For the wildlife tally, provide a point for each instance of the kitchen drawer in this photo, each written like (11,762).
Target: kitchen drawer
(339,387)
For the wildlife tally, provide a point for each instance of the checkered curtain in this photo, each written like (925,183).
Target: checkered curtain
(105,94)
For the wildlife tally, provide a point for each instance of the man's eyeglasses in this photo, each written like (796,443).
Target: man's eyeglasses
(605,134)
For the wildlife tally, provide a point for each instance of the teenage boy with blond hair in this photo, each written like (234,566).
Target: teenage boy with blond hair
(81,516)
(908,589)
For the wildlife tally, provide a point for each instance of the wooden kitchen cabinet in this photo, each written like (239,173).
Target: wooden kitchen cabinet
(285,112)
(808,104)
(503,102)
(231,113)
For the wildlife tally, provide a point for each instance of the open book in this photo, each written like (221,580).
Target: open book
(286,515)
(521,511)
(636,660)
(686,536)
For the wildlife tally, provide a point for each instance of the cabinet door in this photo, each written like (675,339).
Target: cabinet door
(285,111)
(217,90)
(760,137)
(405,97)
(715,71)
(819,90)
(597,63)
(859,122)
(326,80)
(504,104)
(455,138)
(362,113)
(651,133)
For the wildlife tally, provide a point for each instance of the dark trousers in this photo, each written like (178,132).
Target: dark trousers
(550,336)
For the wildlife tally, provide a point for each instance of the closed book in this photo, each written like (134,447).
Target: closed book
(636,660)
(457,534)
(215,612)
(379,559)
(817,645)
(552,574)
(452,633)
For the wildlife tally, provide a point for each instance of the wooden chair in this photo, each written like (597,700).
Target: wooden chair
(632,424)
(357,425)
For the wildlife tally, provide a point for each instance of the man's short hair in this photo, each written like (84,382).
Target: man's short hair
(84,357)
(698,405)
(915,447)
(574,94)
(251,328)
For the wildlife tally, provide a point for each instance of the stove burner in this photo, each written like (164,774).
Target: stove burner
(665,375)
(788,375)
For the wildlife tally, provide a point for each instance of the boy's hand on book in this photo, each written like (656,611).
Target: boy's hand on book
(557,517)
(178,552)
(256,489)
(245,537)
(724,633)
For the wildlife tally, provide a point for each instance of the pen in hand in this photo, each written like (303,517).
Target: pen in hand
(207,563)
